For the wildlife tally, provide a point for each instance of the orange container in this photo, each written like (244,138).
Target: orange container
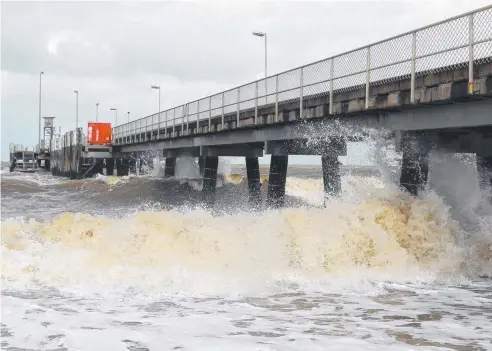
(98,133)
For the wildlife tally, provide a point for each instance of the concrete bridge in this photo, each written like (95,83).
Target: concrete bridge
(430,88)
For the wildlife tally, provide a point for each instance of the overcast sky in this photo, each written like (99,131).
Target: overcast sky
(111,52)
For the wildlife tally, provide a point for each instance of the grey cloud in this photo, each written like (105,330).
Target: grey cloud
(113,51)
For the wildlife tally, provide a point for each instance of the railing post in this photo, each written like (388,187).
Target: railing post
(209,113)
(470,54)
(332,65)
(165,130)
(237,112)
(256,102)
(198,117)
(222,111)
(276,98)
(187,119)
(301,93)
(159,125)
(152,129)
(368,76)
(412,75)
(183,120)
(174,122)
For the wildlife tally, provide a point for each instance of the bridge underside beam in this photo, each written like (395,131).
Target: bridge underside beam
(245,150)
(319,146)
(406,118)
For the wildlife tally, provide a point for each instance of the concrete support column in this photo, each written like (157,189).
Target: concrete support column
(98,168)
(201,164)
(414,171)
(170,167)
(276,181)
(109,166)
(253,173)
(331,175)
(210,166)
(132,165)
(122,167)
(484,170)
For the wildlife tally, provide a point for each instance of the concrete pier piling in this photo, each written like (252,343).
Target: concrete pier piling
(97,169)
(170,167)
(109,166)
(331,175)
(276,181)
(414,171)
(122,167)
(210,166)
(484,170)
(253,174)
(201,164)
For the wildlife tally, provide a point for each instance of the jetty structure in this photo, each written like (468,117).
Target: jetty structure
(428,89)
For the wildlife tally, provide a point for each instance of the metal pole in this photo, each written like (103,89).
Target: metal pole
(97,108)
(276,98)
(256,102)
(187,119)
(39,122)
(198,117)
(174,122)
(159,112)
(183,120)
(76,110)
(266,74)
(222,117)
(412,76)
(209,114)
(368,76)
(237,112)
(301,85)
(332,65)
(128,116)
(470,54)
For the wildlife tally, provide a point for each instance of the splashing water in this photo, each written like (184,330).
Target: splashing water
(374,269)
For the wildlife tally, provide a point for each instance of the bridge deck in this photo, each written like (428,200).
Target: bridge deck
(445,61)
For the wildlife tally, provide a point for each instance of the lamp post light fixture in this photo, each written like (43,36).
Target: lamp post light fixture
(158,88)
(76,109)
(39,122)
(264,35)
(116,115)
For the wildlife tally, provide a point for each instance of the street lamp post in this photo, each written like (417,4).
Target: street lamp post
(264,35)
(116,115)
(39,122)
(76,110)
(97,108)
(128,116)
(159,112)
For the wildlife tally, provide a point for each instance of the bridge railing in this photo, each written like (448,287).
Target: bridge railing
(461,41)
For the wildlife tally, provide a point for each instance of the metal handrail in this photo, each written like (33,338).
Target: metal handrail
(364,50)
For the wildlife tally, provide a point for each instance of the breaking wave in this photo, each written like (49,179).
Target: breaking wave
(393,235)
(374,232)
